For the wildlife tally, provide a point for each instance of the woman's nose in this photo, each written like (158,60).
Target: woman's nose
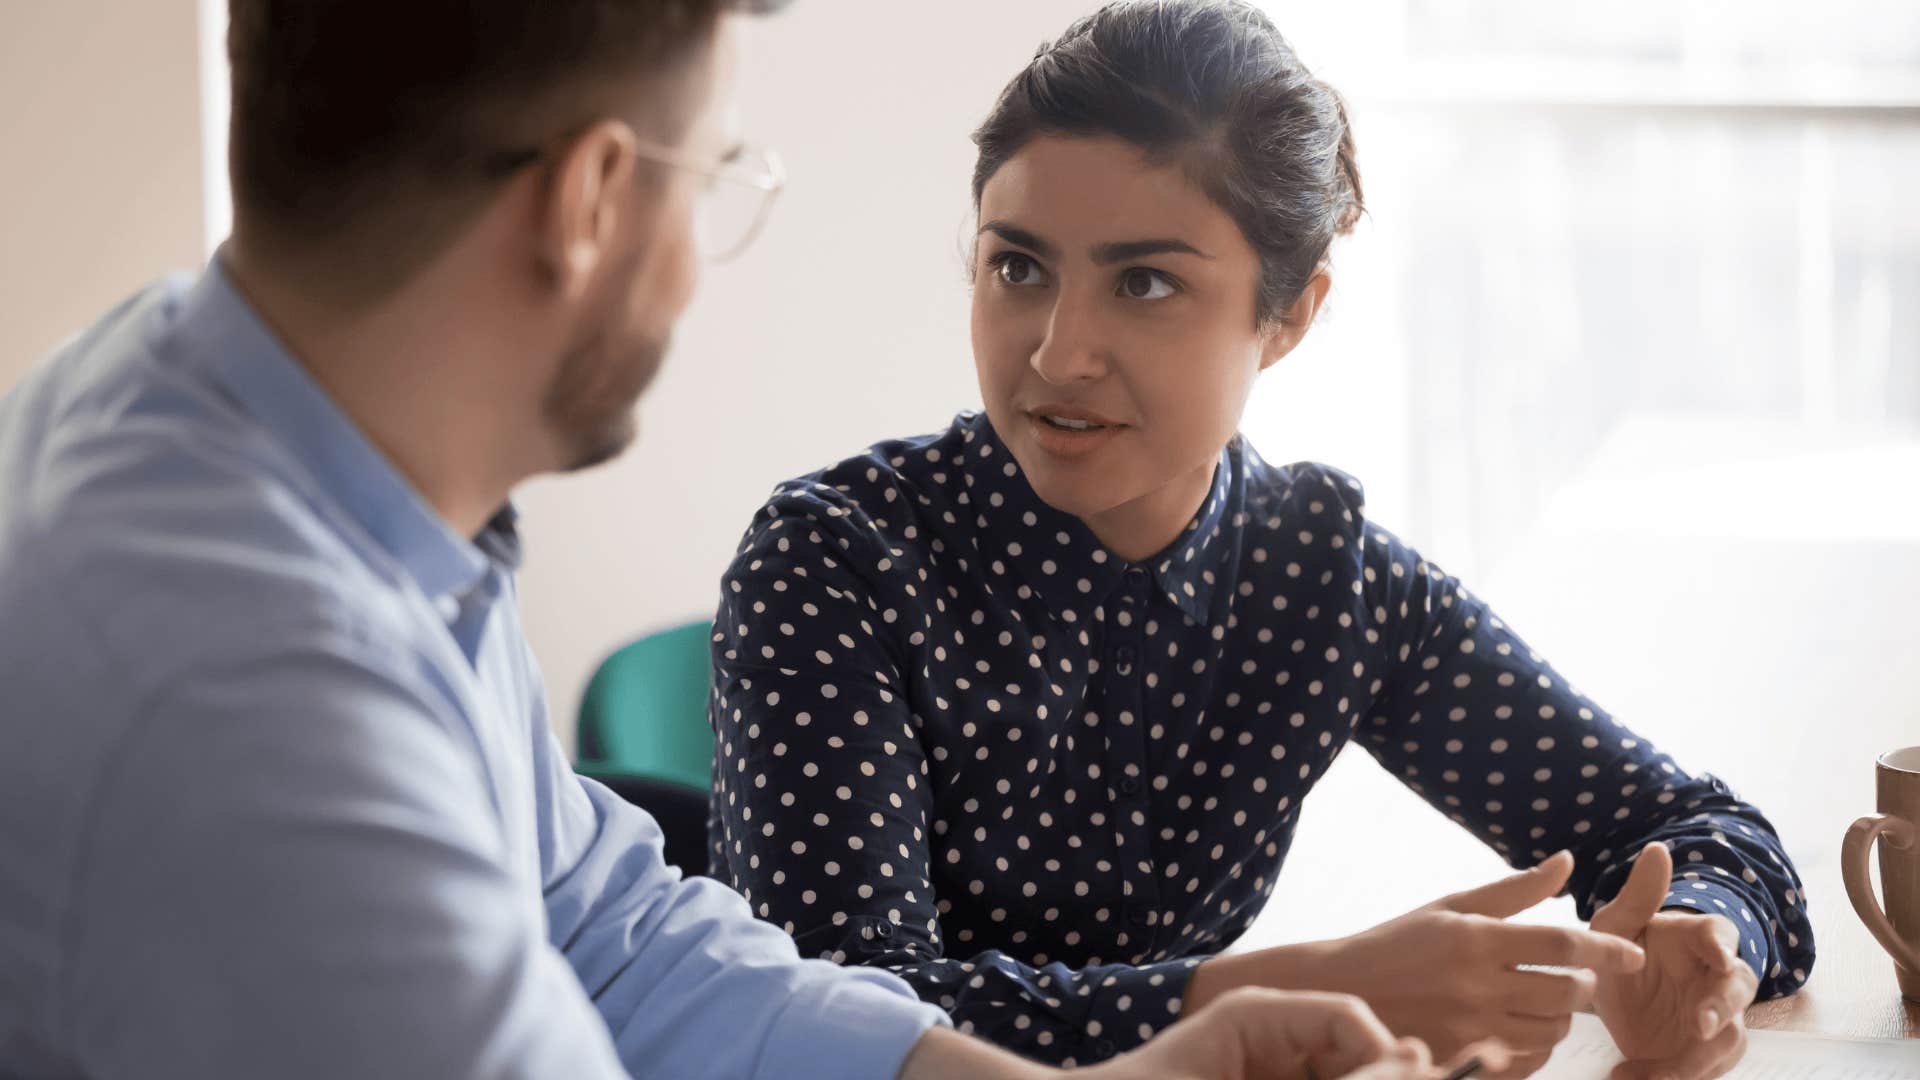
(1074,349)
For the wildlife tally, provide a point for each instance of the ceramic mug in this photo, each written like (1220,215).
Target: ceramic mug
(1897,826)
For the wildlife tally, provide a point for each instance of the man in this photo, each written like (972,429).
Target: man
(278,795)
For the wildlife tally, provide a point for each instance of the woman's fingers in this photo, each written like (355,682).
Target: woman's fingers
(1514,893)
(1715,940)
(1734,1047)
(1547,993)
(1725,985)
(1702,1060)
(1721,1003)
(1641,897)
(1566,947)
(1724,998)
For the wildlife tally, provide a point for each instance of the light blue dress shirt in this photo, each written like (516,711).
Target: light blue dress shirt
(278,796)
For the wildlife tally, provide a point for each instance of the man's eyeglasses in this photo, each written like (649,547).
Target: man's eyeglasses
(734,203)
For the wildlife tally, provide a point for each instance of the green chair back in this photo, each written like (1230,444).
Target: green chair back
(645,710)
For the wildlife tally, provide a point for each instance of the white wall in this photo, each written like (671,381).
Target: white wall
(843,325)
(101,188)
(846,323)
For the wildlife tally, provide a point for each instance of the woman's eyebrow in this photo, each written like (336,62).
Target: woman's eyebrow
(1104,254)
(1019,237)
(1122,251)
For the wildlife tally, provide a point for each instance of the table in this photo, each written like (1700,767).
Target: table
(1852,991)
(1754,608)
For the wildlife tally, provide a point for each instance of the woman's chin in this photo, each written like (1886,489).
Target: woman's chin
(1084,496)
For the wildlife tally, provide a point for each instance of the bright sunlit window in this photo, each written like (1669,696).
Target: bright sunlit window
(1650,232)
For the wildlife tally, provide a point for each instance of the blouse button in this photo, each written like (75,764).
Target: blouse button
(1129,786)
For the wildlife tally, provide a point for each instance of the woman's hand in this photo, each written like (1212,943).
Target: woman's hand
(1448,974)
(1683,1015)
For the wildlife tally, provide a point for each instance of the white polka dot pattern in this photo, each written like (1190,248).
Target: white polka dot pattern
(959,740)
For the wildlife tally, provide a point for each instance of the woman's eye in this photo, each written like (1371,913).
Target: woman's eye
(1016,269)
(1143,284)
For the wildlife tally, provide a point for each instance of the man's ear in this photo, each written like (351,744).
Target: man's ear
(1295,321)
(591,187)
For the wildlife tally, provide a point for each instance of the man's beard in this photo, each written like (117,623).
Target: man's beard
(590,404)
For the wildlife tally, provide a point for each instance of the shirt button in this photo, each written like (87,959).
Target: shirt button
(1138,916)
(1103,1048)
(1125,654)
(1129,786)
(884,930)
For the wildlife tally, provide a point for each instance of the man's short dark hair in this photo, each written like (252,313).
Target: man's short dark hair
(340,105)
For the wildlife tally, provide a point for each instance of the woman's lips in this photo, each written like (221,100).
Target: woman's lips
(1070,432)
(1071,417)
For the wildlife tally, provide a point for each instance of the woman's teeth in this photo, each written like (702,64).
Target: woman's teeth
(1065,424)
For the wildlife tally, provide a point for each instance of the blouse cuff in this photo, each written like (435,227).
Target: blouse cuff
(1129,1005)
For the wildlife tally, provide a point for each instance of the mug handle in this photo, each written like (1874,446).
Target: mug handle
(1854,853)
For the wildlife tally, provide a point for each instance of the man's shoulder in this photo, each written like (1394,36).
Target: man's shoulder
(151,540)
(147,512)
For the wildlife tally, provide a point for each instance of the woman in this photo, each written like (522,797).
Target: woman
(1024,711)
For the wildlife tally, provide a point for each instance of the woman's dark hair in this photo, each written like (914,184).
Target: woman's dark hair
(1212,84)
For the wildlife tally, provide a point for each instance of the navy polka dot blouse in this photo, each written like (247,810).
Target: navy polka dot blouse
(958,740)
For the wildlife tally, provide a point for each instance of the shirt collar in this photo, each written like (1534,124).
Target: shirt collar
(219,332)
(1058,557)
(1191,571)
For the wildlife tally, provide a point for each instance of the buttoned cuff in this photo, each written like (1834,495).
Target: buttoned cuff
(1129,1005)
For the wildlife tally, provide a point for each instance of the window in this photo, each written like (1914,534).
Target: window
(1584,216)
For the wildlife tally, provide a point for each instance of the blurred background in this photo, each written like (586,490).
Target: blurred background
(1628,339)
